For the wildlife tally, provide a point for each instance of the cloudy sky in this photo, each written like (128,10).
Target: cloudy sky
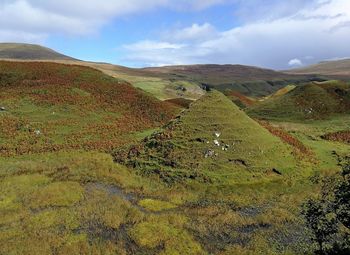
(278,34)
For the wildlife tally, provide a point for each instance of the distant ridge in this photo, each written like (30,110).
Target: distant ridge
(331,67)
(172,82)
(22,51)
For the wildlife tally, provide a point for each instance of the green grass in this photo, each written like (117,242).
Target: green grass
(164,89)
(313,101)
(51,107)
(310,132)
(156,205)
(251,155)
(172,200)
(155,232)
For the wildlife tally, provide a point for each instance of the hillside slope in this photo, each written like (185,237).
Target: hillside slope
(332,68)
(247,80)
(212,141)
(312,101)
(49,107)
(29,52)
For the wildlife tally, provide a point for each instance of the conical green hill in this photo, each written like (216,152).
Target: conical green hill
(211,141)
(311,101)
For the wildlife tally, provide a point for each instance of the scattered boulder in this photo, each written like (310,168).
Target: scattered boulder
(274,170)
(239,162)
(225,147)
(205,87)
(181,88)
(37,132)
(217,134)
(216,142)
(209,153)
(2,109)
(200,140)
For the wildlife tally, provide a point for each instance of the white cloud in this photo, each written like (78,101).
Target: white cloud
(153,45)
(266,42)
(14,36)
(295,62)
(196,32)
(42,18)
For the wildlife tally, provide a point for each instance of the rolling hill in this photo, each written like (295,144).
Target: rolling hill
(340,68)
(29,52)
(308,102)
(50,107)
(171,82)
(247,80)
(212,141)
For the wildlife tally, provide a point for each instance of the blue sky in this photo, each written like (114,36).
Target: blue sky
(269,33)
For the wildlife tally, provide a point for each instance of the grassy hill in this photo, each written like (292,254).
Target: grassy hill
(29,52)
(189,149)
(308,102)
(50,107)
(330,68)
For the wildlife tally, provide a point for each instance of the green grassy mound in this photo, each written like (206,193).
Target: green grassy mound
(311,101)
(50,107)
(212,141)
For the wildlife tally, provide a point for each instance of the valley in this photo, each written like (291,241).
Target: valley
(104,159)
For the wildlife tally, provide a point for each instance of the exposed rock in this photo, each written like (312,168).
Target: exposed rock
(209,154)
(239,162)
(225,147)
(217,134)
(200,140)
(181,88)
(216,142)
(276,171)
(205,87)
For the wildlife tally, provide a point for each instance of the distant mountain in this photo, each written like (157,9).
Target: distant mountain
(219,74)
(247,80)
(21,51)
(337,67)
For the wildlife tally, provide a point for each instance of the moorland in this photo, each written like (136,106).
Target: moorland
(104,159)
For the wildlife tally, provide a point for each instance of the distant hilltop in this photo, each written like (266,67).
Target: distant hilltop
(23,51)
(330,67)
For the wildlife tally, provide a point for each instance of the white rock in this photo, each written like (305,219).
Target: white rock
(216,142)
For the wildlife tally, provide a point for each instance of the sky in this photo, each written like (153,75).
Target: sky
(278,34)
